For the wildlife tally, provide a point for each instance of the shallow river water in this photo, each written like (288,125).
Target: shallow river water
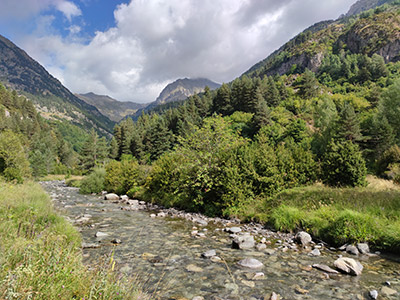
(166,258)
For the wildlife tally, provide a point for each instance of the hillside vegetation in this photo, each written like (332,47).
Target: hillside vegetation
(244,149)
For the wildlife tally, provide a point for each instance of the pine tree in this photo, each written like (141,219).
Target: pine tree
(222,102)
(272,95)
(348,124)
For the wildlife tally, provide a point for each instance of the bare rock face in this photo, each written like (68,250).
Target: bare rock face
(348,266)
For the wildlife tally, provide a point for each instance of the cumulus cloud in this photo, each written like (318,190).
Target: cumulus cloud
(157,41)
(69,9)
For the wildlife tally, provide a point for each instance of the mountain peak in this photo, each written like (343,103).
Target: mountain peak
(182,88)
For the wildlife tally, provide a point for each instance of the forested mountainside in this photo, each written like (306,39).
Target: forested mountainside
(33,146)
(260,134)
(113,109)
(371,32)
(22,73)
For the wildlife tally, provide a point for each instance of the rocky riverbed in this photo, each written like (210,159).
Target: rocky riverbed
(177,255)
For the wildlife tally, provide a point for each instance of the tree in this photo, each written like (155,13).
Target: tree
(262,114)
(272,95)
(222,102)
(309,87)
(14,164)
(89,151)
(348,126)
(389,106)
(343,164)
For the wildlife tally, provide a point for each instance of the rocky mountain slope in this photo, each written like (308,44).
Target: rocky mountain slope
(113,109)
(183,88)
(363,5)
(374,31)
(22,73)
(178,90)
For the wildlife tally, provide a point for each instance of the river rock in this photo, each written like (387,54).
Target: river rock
(209,254)
(251,263)
(363,248)
(133,202)
(116,241)
(243,242)
(303,238)
(348,266)
(300,290)
(198,298)
(90,245)
(194,269)
(200,222)
(386,291)
(111,197)
(315,252)
(261,247)
(100,234)
(373,294)
(274,296)
(161,214)
(325,268)
(216,259)
(351,249)
(124,198)
(233,230)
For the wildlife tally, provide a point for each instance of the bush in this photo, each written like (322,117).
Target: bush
(94,182)
(124,177)
(343,164)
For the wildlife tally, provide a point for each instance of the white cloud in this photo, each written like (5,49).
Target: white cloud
(157,41)
(69,9)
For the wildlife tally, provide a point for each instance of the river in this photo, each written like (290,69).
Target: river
(164,255)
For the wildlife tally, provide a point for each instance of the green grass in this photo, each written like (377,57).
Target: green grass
(40,254)
(340,215)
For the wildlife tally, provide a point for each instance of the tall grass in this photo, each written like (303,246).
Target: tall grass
(340,215)
(40,254)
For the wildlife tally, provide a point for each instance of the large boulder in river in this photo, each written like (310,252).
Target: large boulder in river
(243,242)
(303,238)
(348,266)
(111,196)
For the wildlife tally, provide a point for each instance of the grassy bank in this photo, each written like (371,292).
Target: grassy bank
(339,215)
(40,253)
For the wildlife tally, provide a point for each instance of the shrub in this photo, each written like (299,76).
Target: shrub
(124,177)
(343,164)
(94,182)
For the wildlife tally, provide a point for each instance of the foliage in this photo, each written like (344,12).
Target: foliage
(124,177)
(13,159)
(94,182)
(343,164)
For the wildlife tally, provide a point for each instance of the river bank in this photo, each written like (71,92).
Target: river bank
(40,255)
(167,247)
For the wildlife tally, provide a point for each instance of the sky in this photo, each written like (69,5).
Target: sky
(131,49)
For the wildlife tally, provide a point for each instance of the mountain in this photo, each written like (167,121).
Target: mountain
(363,5)
(113,109)
(176,91)
(371,32)
(22,73)
(183,88)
